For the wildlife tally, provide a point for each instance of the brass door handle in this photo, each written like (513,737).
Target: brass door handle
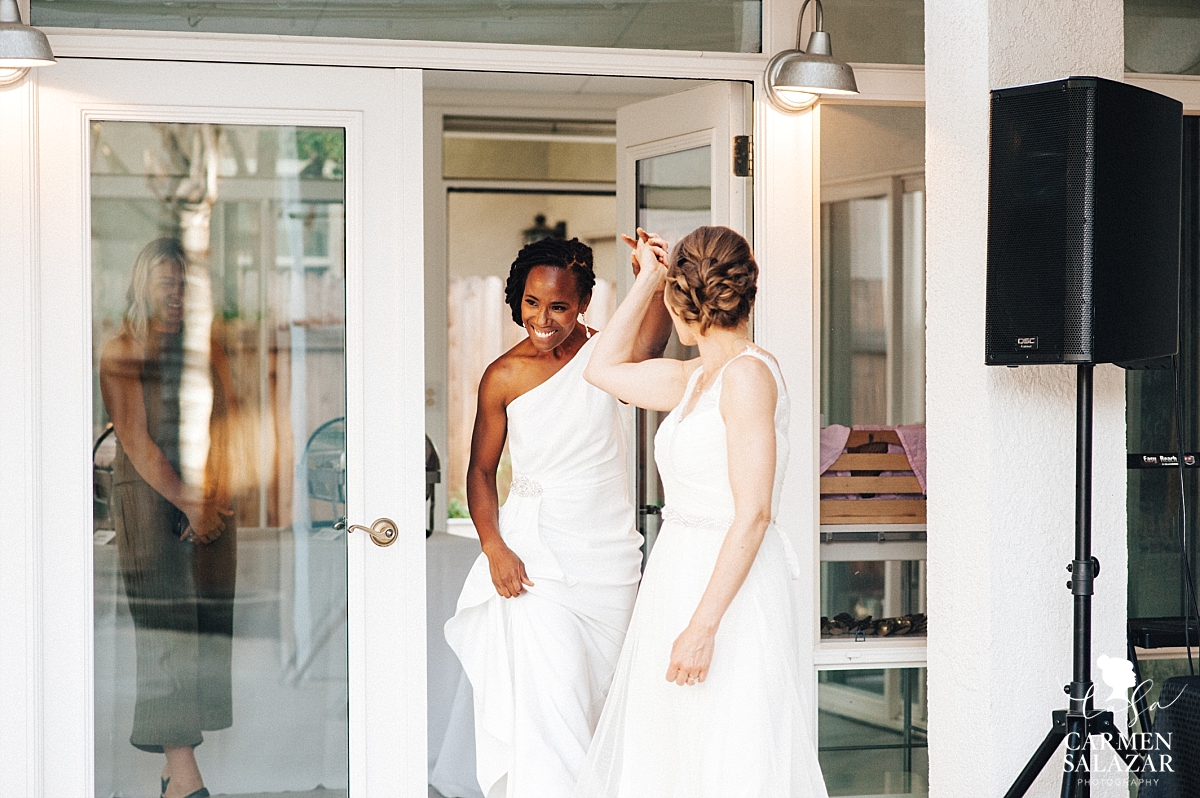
(382,532)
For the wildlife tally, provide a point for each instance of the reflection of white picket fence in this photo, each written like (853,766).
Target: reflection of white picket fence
(480,330)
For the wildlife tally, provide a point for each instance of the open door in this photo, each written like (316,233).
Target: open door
(232,251)
(683,161)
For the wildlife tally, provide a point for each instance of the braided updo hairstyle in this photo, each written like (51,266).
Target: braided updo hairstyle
(712,278)
(573,255)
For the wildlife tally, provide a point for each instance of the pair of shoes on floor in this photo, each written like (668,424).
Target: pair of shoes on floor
(200,793)
(845,623)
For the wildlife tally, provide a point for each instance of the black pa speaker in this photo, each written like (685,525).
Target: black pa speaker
(1083,224)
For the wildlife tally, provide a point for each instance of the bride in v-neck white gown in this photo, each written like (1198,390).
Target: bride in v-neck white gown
(737,728)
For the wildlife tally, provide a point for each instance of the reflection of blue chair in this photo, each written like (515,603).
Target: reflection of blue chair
(103,454)
(325,465)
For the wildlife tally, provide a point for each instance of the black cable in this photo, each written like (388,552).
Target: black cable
(1191,609)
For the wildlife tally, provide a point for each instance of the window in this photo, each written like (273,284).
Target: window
(1156,573)
(714,25)
(1162,36)
(872,719)
(872,266)
(872,734)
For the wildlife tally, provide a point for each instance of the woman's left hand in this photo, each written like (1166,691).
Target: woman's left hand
(690,656)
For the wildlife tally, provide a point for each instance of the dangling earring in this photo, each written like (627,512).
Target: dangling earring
(587,333)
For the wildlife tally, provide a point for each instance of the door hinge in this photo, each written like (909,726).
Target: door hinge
(742,160)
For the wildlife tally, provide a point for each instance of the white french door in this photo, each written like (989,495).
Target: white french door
(682,162)
(676,162)
(289,395)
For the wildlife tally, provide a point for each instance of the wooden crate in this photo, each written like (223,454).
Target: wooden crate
(864,481)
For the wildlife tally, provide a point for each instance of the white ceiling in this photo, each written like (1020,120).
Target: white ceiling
(515,90)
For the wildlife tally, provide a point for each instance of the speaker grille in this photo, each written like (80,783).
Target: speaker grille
(1083,224)
(1039,306)
(1078,228)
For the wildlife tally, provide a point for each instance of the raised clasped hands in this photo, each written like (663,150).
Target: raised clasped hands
(691,656)
(508,572)
(649,254)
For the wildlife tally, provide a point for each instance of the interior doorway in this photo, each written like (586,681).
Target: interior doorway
(509,159)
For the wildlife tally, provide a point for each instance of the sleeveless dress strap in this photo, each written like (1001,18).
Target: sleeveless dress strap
(751,351)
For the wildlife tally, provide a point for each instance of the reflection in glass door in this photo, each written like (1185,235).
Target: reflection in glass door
(674,197)
(220,569)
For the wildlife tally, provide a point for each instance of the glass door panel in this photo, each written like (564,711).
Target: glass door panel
(674,197)
(674,174)
(674,192)
(873,731)
(219,352)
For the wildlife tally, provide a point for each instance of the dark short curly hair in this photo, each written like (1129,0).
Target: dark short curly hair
(712,278)
(557,253)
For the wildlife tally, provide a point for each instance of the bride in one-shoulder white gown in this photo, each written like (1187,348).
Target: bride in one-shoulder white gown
(542,615)
(540,663)
(738,728)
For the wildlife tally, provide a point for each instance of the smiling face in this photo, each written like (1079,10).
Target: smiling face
(166,296)
(550,306)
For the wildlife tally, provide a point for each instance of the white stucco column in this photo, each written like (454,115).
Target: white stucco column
(1002,441)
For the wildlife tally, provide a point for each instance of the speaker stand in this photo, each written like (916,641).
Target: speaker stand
(1077,724)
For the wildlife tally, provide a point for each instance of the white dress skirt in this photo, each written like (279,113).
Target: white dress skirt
(540,664)
(743,732)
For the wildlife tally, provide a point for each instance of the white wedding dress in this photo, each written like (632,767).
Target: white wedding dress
(540,664)
(743,732)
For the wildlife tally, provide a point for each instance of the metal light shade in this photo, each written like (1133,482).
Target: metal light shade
(795,78)
(21,46)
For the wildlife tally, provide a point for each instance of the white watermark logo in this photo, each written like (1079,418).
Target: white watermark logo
(1153,750)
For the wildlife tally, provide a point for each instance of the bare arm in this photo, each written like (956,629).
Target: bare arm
(655,384)
(121,390)
(748,397)
(487,443)
(655,329)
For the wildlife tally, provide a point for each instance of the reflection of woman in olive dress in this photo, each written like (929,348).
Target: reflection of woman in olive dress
(175,527)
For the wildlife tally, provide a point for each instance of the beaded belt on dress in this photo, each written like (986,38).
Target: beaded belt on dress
(674,516)
(524,486)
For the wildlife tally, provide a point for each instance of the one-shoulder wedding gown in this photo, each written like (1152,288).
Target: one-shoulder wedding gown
(540,664)
(743,732)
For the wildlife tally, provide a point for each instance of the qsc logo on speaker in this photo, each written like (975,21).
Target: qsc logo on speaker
(1027,343)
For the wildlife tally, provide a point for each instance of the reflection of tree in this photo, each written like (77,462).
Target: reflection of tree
(325,151)
(183,175)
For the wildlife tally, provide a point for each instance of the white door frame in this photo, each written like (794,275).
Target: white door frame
(387,726)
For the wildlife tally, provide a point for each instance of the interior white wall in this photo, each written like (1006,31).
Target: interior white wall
(478,221)
(868,141)
(1001,441)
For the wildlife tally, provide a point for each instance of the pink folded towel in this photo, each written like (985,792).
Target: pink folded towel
(912,438)
(833,443)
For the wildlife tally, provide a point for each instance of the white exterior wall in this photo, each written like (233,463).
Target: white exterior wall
(1002,441)
(20,589)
